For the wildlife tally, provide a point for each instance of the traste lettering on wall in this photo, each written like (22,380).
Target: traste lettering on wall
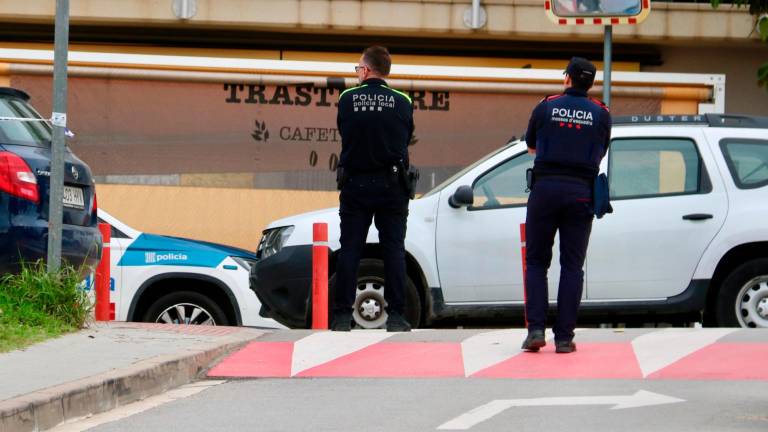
(304,95)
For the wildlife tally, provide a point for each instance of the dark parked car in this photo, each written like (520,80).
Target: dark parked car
(25,170)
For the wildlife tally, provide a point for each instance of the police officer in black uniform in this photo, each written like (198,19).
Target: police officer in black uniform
(376,124)
(569,133)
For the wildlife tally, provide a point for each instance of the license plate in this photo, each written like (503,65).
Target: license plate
(73,197)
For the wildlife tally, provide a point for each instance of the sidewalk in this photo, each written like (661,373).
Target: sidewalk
(105,366)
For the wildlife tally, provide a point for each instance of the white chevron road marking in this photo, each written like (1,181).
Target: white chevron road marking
(482,413)
(487,349)
(657,350)
(322,347)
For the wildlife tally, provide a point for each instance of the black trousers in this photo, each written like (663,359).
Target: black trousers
(556,205)
(381,198)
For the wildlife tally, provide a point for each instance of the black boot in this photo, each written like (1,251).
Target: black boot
(397,323)
(565,347)
(534,341)
(342,321)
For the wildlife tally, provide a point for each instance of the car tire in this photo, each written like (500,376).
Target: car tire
(743,297)
(370,285)
(194,305)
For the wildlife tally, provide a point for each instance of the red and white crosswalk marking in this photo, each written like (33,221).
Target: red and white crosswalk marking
(721,361)
(323,347)
(487,349)
(396,360)
(659,349)
(707,354)
(258,359)
(594,360)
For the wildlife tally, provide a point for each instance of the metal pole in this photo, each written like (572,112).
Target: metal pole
(607,65)
(475,14)
(59,120)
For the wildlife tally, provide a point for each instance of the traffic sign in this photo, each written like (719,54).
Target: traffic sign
(597,12)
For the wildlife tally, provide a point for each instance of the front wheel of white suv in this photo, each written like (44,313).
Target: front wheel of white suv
(369,307)
(743,297)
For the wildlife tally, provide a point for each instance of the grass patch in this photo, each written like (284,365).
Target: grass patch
(36,305)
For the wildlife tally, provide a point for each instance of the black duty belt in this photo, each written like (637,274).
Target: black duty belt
(564,177)
(375,172)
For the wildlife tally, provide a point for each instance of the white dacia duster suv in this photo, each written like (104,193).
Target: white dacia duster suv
(688,237)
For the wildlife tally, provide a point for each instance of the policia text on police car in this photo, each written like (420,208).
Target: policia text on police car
(376,125)
(569,133)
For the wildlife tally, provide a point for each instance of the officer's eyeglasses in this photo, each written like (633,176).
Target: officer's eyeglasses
(358,68)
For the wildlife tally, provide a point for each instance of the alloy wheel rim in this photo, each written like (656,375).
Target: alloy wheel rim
(187,314)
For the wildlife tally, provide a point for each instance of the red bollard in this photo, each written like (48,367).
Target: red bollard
(320,276)
(525,270)
(103,277)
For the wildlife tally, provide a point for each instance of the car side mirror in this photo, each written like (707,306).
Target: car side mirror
(462,197)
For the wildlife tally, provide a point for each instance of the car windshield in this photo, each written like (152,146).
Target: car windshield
(452,178)
(19,132)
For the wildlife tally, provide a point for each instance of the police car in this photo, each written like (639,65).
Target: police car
(172,280)
(688,236)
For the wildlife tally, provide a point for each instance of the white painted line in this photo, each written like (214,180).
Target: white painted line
(477,415)
(487,349)
(657,350)
(119,413)
(482,413)
(322,347)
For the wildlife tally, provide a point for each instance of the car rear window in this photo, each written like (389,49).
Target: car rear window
(655,167)
(747,160)
(29,133)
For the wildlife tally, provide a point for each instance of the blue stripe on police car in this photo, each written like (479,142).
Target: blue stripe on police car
(150,249)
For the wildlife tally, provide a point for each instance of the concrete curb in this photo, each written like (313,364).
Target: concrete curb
(47,408)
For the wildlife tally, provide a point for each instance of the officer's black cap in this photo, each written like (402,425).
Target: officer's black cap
(582,70)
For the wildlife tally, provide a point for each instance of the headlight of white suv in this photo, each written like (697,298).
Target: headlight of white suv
(272,240)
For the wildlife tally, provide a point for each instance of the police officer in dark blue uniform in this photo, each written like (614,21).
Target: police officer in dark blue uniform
(569,133)
(376,124)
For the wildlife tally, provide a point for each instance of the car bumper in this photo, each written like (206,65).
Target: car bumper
(282,283)
(80,246)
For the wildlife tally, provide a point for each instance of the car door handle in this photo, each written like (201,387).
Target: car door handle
(697,216)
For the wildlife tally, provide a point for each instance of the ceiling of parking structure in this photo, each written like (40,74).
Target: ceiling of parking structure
(237,55)
(329,42)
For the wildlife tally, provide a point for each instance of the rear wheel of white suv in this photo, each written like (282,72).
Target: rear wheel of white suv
(743,297)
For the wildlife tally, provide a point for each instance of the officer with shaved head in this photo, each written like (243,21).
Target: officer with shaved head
(376,125)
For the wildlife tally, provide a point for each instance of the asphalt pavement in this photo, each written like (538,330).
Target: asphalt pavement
(413,405)
(148,377)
